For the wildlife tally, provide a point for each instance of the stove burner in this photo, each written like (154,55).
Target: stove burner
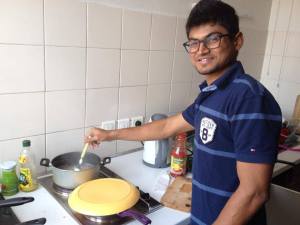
(145,205)
(104,219)
(61,191)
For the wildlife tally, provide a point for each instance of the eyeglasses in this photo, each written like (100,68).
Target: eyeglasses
(211,41)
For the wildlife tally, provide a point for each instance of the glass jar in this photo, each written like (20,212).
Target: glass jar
(8,178)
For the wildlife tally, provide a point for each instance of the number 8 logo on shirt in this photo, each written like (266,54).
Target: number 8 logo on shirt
(207,129)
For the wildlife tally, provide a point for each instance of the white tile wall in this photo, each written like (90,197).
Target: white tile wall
(105,149)
(163,32)
(272,66)
(287,97)
(160,67)
(64,110)
(21,68)
(295,19)
(61,69)
(21,22)
(182,69)
(65,22)
(285,7)
(272,86)
(252,64)
(180,96)
(103,68)
(293,47)
(290,69)
(132,101)
(134,67)
(253,41)
(180,34)
(65,68)
(22,115)
(158,99)
(279,41)
(104,26)
(136,30)
(62,142)
(101,105)
(282,80)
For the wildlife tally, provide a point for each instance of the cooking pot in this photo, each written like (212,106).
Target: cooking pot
(106,198)
(65,168)
(21,201)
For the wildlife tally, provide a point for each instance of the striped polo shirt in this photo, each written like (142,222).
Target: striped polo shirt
(235,119)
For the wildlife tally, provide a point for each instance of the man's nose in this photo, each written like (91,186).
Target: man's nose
(202,48)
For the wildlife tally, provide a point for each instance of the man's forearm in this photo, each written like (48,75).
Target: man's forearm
(241,207)
(151,131)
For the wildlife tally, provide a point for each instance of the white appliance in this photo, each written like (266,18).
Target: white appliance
(156,152)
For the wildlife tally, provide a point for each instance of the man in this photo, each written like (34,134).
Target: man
(236,121)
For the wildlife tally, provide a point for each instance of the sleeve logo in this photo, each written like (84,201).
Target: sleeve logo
(207,130)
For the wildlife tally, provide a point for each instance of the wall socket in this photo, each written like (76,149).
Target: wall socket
(108,125)
(134,120)
(123,123)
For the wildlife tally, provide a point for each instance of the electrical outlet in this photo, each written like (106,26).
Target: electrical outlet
(108,125)
(136,121)
(123,123)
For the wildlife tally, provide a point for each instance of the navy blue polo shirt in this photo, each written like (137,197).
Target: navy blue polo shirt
(235,119)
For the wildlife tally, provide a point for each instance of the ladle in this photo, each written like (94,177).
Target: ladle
(78,167)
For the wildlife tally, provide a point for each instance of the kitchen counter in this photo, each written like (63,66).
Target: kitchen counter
(130,167)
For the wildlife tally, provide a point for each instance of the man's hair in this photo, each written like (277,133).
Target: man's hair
(216,12)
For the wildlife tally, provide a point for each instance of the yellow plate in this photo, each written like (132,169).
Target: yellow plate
(103,197)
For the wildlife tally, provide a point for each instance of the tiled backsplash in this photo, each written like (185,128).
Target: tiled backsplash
(68,65)
(281,65)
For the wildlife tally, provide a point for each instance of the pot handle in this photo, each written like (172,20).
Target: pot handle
(136,215)
(39,221)
(105,161)
(15,201)
(45,162)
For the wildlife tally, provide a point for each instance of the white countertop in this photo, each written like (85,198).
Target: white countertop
(130,167)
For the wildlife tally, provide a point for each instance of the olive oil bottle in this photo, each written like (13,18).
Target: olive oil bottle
(27,169)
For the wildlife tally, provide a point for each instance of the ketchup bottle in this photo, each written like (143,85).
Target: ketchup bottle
(179,156)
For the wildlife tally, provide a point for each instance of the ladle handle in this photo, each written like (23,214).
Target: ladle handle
(83,152)
(136,215)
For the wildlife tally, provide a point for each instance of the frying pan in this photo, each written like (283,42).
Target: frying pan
(21,201)
(106,197)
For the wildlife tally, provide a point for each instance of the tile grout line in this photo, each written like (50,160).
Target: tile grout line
(45,105)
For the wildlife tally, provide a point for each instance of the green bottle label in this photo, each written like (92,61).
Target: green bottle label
(9,182)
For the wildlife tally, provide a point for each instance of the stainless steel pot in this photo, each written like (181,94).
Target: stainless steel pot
(63,167)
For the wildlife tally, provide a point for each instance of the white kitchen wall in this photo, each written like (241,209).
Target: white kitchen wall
(281,65)
(68,65)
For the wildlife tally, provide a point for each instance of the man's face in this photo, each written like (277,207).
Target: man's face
(212,61)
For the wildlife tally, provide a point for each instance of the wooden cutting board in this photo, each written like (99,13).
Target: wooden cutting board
(296,113)
(179,194)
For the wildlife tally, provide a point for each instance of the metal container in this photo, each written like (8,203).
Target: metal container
(64,168)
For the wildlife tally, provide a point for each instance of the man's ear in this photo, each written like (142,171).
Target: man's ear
(238,41)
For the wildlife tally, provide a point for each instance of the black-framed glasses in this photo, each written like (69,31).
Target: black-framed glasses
(211,41)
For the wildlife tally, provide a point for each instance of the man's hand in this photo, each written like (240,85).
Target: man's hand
(97,135)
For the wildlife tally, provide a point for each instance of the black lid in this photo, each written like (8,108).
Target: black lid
(26,143)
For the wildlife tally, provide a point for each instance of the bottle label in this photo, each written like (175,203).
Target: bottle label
(9,182)
(22,159)
(178,166)
(25,180)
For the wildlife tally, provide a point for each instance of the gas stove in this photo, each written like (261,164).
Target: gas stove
(145,205)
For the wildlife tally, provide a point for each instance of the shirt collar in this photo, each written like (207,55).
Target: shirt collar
(224,80)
